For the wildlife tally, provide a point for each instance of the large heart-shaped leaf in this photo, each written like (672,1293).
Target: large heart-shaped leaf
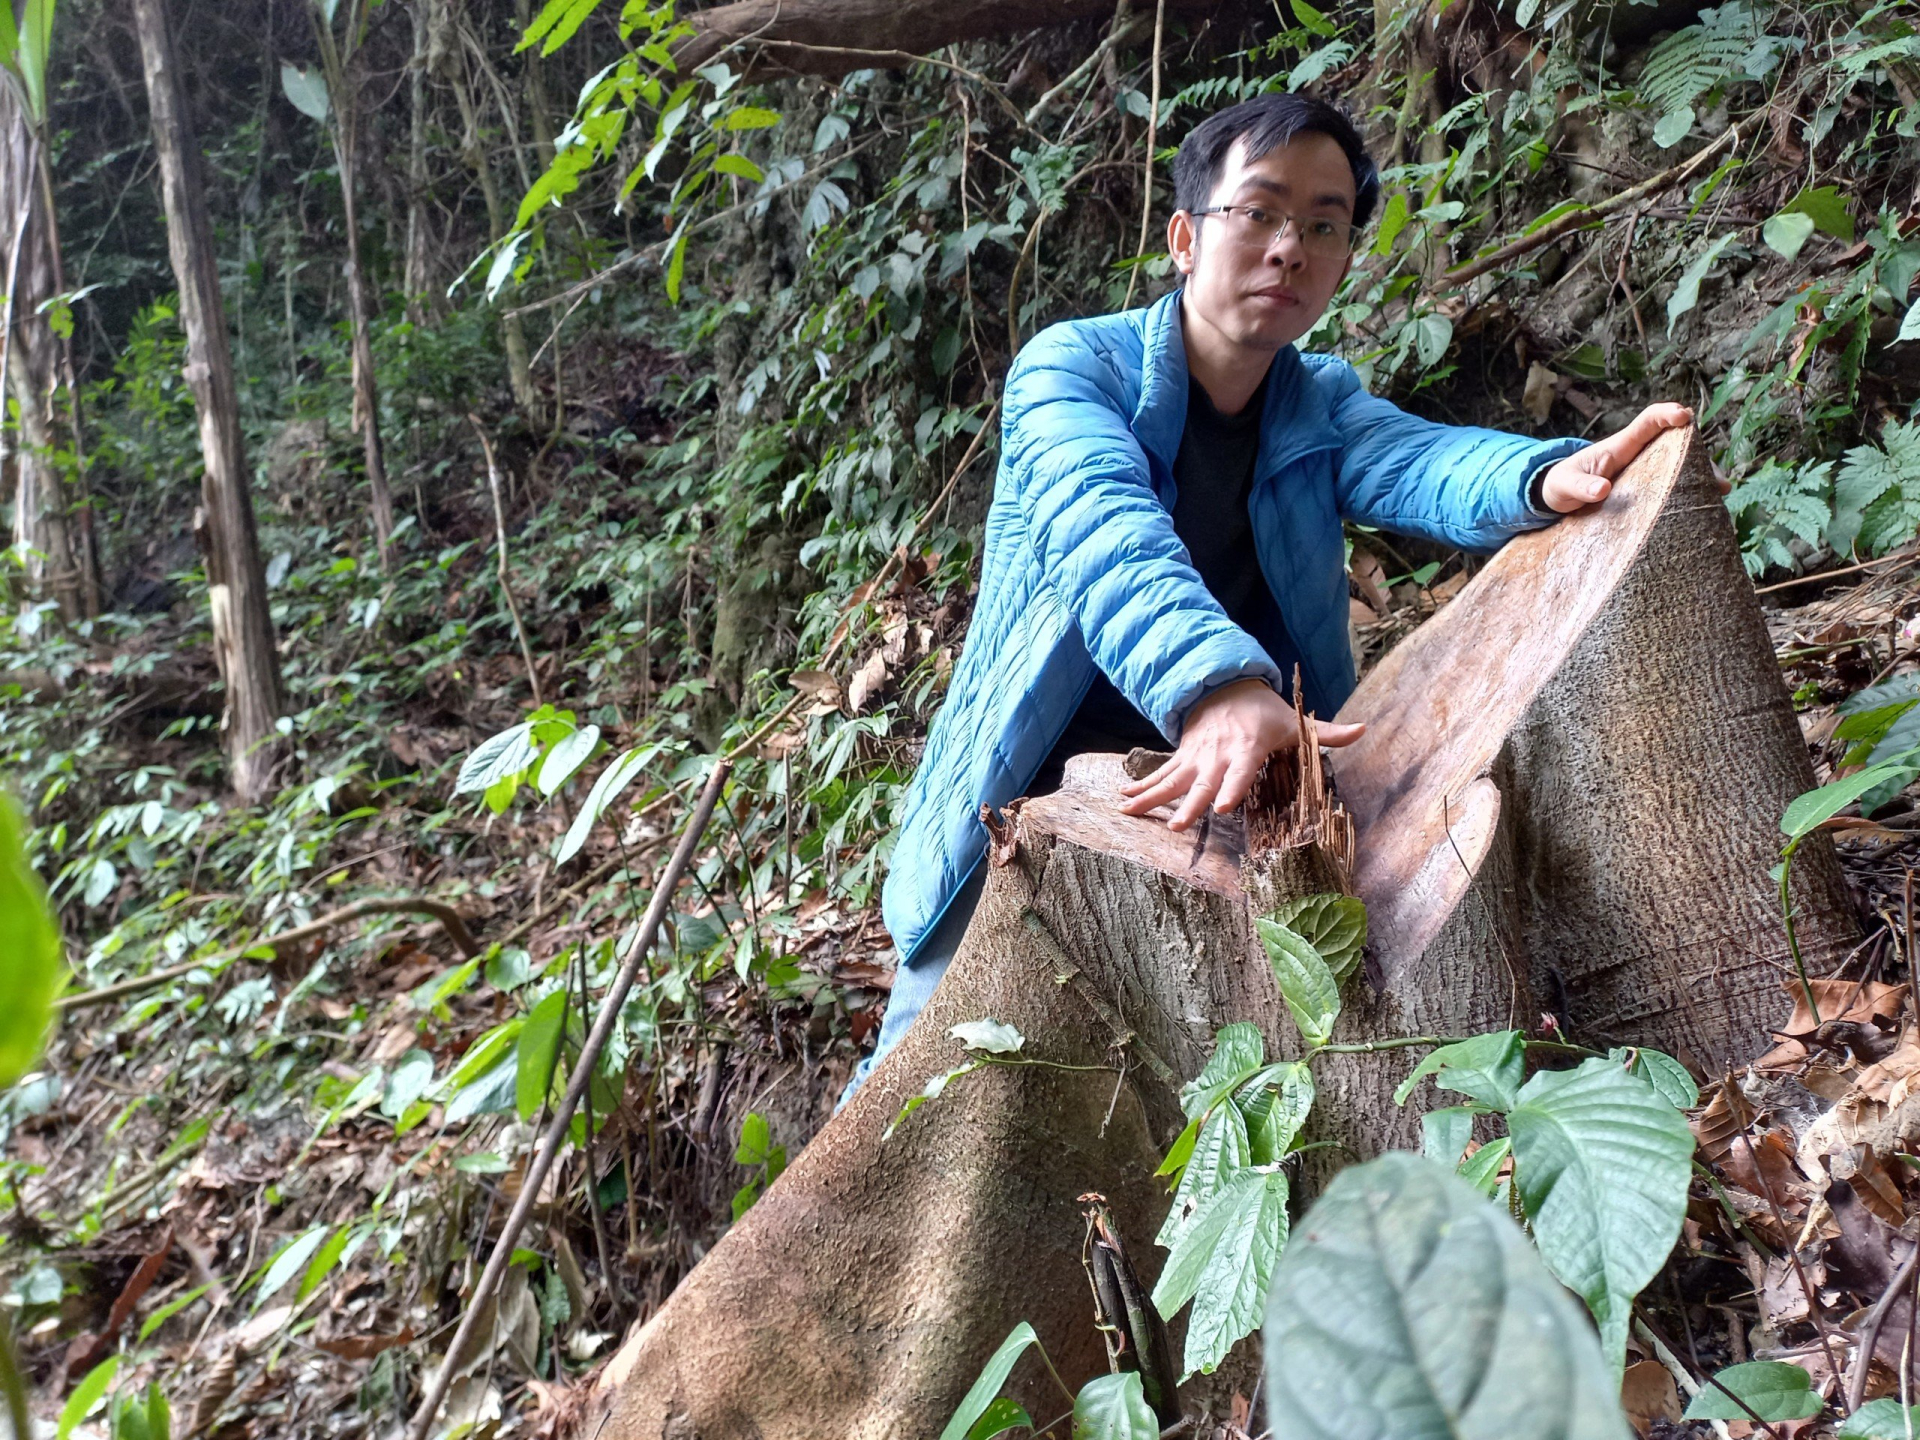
(1335,925)
(1114,1407)
(1602,1163)
(1487,1068)
(1770,1389)
(1407,1306)
(1306,984)
(1223,1261)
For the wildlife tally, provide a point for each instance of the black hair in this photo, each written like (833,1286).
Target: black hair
(1267,121)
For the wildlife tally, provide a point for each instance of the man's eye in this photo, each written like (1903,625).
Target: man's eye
(1322,227)
(1256,215)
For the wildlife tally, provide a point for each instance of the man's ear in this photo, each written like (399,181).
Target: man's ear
(1183,236)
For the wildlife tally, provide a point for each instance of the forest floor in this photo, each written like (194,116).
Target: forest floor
(283,1259)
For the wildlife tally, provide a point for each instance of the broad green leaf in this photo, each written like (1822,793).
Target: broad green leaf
(988,1035)
(31,974)
(1667,1076)
(1826,207)
(739,165)
(1910,323)
(290,1260)
(1444,1134)
(1408,1306)
(1335,925)
(34,51)
(412,1074)
(1787,233)
(1238,1051)
(556,24)
(1686,294)
(1223,1262)
(1487,1068)
(1181,1150)
(1809,811)
(1306,984)
(749,117)
(1114,1407)
(1602,1163)
(612,781)
(495,758)
(481,1055)
(1673,127)
(1220,1151)
(324,1259)
(307,89)
(992,1376)
(1313,21)
(560,763)
(87,1394)
(756,1140)
(676,264)
(1481,1169)
(1276,1103)
(1393,220)
(998,1418)
(1771,1389)
(539,1054)
(1880,1420)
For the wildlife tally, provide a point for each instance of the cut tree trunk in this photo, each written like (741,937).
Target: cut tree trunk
(1567,801)
(832,37)
(243,640)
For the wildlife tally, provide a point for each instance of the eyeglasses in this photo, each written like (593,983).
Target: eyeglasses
(1255,225)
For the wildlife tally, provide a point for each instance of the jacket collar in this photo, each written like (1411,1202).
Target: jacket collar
(1296,421)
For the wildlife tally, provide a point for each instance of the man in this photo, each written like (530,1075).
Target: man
(1164,544)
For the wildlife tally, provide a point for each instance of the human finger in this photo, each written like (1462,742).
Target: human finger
(1152,777)
(1166,789)
(1238,780)
(1335,736)
(1199,795)
(1620,447)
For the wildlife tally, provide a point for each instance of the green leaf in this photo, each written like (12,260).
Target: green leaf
(676,264)
(1444,1134)
(1223,1263)
(1667,1076)
(1771,1389)
(1910,325)
(998,1418)
(1879,1420)
(1807,813)
(172,1308)
(1827,208)
(1686,294)
(1406,1305)
(290,1260)
(1673,127)
(933,1090)
(495,758)
(988,1035)
(1335,925)
(1276,1103)
(1181,1150)
(31,975)
(749,117)
(1114,1407)
(560,763)
(1306,984)
(307,89)
(556,24)
(1393,220)
(612,781)
(1787,233)
(412,1074)
(87,1394)
(1602,1164)
(1220,1151)
(324,1259)
(1312,20)
(539,1054)
(1481,1169)
(1487,1068)
(992,1376)
(756,1145)
(739,165)
(1238,1051)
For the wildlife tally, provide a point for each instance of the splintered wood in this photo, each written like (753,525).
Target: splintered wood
(1293,804)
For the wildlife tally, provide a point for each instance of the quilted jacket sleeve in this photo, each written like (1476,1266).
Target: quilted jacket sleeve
(1105,545)
(1453,483)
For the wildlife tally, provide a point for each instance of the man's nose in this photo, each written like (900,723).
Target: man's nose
(1287,252)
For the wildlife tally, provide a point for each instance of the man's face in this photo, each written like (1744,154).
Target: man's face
(1256,291)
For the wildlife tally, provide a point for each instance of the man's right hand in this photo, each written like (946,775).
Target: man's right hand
(1228,737)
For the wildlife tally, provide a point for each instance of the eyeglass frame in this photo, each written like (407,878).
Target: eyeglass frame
(1299,222)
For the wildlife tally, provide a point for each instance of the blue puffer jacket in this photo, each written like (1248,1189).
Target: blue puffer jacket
(1082,566)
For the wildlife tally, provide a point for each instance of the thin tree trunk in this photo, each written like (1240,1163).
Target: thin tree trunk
(79,499)
(43,528)
(243,639)
(427,15)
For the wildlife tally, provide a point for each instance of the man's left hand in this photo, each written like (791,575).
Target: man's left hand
(1586,476)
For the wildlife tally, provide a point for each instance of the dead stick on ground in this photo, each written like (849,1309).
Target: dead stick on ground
(500,553)
(448,917)
(558,1131)
(1587,214)
(1870,1332)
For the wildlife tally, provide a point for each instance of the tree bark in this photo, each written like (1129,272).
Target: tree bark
(1567,801)
(243,639)
(832,37)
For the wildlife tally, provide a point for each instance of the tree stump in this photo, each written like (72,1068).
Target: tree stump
(1567,802)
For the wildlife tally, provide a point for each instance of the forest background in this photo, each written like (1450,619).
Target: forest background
(610,399)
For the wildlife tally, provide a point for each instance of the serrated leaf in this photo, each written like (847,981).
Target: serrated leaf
(307,90)
(1114,1407)
(537,1060)
(1223,1263)
(1406,1306)
(1602,1165)
(992,1376)
(495,758)
(1238,1051)
(1771,1389)
(1826,207)
(1221,1150)
(1487,1068)
(560,763)
(1335,925)
(1306,984)
(988,1035)
(1275,1103)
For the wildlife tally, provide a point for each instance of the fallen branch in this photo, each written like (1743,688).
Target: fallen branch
(448,917)
(1587,214)
(559,1130)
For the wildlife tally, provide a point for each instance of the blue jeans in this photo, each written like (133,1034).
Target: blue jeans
(915,982)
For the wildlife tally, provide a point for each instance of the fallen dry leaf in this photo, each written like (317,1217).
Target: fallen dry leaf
(1647,1394)
(867,682)
(364,1347)
(1859,1001)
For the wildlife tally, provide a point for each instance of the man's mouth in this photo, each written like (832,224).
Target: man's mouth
(1281,296)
